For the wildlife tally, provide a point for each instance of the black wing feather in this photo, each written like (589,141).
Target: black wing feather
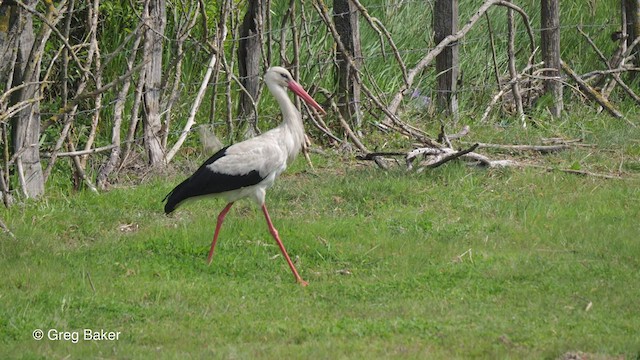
(205,182)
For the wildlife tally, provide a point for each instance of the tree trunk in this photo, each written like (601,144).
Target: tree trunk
(26,124)
(249,55)
(118,115)
(155,17)
(513,73)
(345,17)
(445,23)
(550,44)
(9,39)
(632,8)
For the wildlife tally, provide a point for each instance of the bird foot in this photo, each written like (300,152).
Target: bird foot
(302,282)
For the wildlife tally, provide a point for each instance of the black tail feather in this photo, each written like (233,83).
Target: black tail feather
(174,198)
(182,192)
(206,181)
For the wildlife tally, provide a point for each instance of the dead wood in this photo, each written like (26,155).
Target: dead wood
(494,57)
(194,109)
(608,63)
(543,149)
(427,59)
(594,73)
(6,229)
(441,156)
(511,52)
(573,171)
(445,138)
(377,26)
(373,155)
(97,76)
(436,156)
(451,156)
(114,158)
(353,137)
(321,9)
(81,152)
(4,187)
(79,169)
(506,87)
(593,94)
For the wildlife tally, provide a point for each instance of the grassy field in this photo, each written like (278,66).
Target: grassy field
(449,263)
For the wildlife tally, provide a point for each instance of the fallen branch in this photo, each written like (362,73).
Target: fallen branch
(593,94)
(373,155)
(443,138)
(483,160)
(443,155)
(435,157)
(573,171)
(544,149)
(451,156)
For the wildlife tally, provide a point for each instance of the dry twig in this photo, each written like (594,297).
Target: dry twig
(593,94)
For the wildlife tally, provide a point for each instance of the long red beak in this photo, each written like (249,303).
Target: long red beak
(298,90)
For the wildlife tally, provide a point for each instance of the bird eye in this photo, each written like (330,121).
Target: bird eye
(284,76)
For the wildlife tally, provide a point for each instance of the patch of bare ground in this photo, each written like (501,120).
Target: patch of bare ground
(579,355)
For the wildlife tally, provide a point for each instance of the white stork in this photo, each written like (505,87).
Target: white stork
(247,169)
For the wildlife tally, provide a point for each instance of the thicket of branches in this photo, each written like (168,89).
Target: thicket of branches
(85,86)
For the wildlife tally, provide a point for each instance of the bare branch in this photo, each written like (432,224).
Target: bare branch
(6,229)
(592,93)
(194,109)
(377,26)
(81,152)
(452,156)
(544,149)
(50,24)
(427,59)
(515,87)
(502,91)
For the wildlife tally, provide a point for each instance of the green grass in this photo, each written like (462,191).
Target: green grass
(450,263)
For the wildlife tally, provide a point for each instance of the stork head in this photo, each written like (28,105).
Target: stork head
(281,77)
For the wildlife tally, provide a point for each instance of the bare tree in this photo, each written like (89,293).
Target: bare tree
(551,52)
(445,23)
(345,17)
(249,55)
(114,157)
(154,15)
(24,77)
(632,10)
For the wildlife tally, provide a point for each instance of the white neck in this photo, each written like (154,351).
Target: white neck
(292,121)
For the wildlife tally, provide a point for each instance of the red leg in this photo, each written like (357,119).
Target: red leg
(223,213)
(274,232)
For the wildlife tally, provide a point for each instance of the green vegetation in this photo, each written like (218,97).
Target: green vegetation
(449,263)
(454,262)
